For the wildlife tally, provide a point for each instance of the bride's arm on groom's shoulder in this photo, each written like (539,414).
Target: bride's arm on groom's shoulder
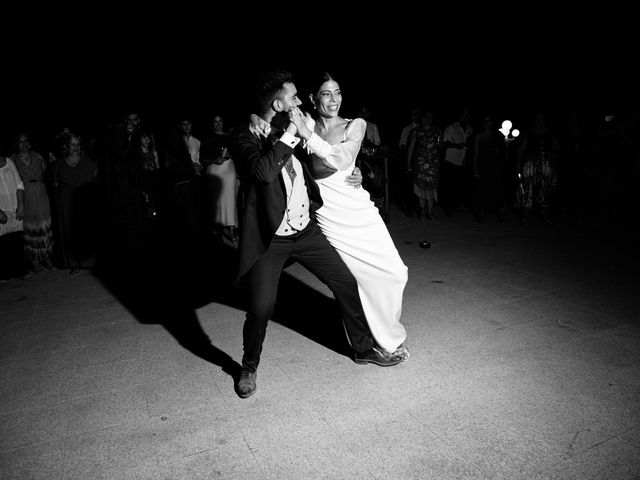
(258,126)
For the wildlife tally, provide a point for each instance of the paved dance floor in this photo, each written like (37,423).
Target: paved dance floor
(525,364)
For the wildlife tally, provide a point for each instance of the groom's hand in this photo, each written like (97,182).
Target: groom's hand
(355,179)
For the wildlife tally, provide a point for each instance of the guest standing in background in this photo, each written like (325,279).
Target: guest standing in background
(372,136)
(38,235)
(489,170)
(12,255)
(576,186)
(402,180)
(537,164)
(150,181)
(183,174)
(77,206)
(456,136)
(373,167)
(124,202)
(221,181)
(423,161)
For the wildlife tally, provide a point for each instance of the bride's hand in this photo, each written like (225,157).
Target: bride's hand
(258,126)
(309,122)
(300,120)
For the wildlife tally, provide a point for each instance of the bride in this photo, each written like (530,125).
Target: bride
(349,219)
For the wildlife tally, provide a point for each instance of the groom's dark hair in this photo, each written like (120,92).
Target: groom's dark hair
(270,85)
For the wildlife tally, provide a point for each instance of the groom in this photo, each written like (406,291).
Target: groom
(278,227)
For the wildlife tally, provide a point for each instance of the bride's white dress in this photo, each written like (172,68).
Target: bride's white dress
(352,224)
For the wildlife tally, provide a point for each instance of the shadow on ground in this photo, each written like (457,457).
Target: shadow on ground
(168,284)
(310,313)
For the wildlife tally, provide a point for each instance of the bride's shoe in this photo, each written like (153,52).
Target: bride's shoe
(403,352)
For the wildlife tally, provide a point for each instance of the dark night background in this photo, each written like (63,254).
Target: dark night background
(86,70)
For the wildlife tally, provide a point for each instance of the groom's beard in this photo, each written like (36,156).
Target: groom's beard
(280,120)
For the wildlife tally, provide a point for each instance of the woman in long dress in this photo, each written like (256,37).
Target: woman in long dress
(38,235)
(350,220)
(423,161)
(221,181)
(537,157)
(78,209)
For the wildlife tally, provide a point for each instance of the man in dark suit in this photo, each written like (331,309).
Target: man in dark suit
(278,227)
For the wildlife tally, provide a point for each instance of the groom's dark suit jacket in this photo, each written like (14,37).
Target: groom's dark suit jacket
(259,164)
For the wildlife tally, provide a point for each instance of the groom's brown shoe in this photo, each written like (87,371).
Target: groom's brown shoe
(378,357)
(247,384)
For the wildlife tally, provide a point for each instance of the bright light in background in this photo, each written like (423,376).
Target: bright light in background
(506,131)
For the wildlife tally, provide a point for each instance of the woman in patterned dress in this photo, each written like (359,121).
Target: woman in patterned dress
(423,160)
(38,236)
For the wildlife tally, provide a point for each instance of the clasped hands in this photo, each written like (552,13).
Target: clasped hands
(300,124)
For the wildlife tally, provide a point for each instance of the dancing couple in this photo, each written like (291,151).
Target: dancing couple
(303,203)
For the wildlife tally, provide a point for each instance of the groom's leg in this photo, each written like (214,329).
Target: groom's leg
(263,279)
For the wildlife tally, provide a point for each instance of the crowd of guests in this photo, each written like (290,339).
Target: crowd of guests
(78,198)
(579,167)
(124,190)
